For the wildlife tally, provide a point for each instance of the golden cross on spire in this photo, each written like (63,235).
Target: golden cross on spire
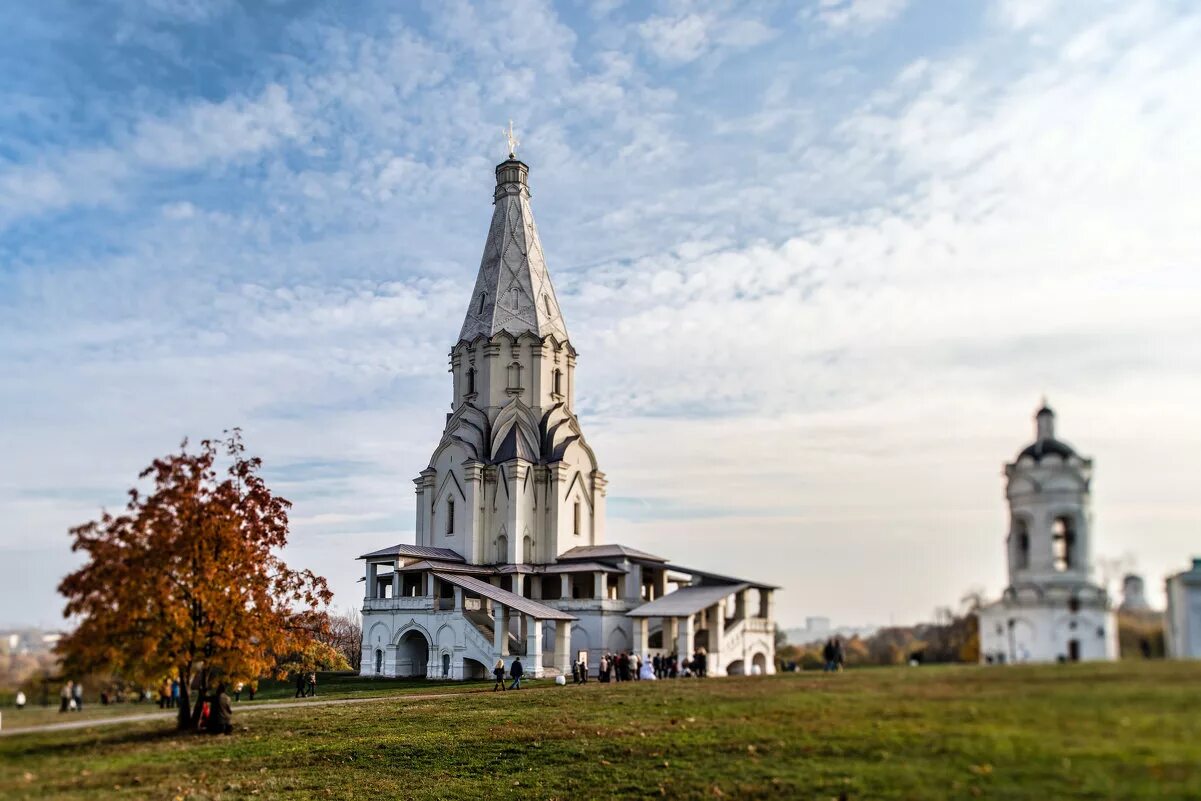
(512,140)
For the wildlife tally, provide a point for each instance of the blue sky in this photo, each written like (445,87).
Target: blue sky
(820,259)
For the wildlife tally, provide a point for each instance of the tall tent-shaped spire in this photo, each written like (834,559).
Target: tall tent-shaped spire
(513,292)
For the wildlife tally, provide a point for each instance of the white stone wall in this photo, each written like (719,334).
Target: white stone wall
(1042,633)
(1183,618)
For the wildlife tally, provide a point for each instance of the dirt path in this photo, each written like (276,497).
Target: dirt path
(238,711)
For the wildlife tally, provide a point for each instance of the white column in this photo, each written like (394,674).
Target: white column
(598,585)
(518,584)
(671,630)
(563,646)
(533,645)
(565,586)
(499,631)
(372,583)
(641,635)
(473,536)
(740,605)
(717,633)
(396,579)
(429,584)
(684,646)
(458,598)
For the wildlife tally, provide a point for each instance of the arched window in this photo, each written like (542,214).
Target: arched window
(450,517)
(470,380)
(576,519)
(515,375)
(1063,541)
(379,661)
(557,381)
(515,294)
(502,549)
(1022,542)
(527,549)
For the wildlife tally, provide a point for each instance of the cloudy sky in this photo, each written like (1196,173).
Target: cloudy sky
(820,260)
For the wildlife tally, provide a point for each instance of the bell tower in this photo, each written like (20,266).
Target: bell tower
(1048,490)
(513,480)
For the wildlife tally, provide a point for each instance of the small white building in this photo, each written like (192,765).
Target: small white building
(1182,634)
(1051,611)
(510,555)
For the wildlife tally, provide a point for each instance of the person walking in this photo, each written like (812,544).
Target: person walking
(516,671)
(312,690)
(221,713)
(20,699)
(77,696)
(575,672)
(498,671)
(164,694)
(584,670)
(174,693)
(238,691)
(603,675)
(828,656)
(300,688)
(839,656)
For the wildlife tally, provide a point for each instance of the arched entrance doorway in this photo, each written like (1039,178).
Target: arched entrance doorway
(379,661)
(736,668)
(759,664)
(473,669)
(412,654)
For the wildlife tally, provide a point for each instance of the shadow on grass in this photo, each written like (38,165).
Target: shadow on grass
(93,738)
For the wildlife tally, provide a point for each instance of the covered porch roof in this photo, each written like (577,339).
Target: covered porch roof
(516,602)
(415,551)
(718,577)
(686,600)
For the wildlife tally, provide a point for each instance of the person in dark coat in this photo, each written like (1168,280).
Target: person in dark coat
(498,672)
(516,671)
(300,686)
(221,713)
(575,672)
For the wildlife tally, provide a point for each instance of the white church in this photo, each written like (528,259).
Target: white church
(1051,611)
(510,556)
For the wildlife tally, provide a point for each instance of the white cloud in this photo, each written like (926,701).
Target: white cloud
(859,16)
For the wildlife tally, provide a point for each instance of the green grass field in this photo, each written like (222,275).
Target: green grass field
(1121,731)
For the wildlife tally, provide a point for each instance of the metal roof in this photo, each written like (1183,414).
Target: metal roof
(450,567)
(419,551)
(686,601)
(511,600)
(608,552)
(705,574)
(567,567)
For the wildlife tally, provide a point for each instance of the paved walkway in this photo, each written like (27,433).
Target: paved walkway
(238,711)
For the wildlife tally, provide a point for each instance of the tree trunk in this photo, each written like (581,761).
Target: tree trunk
(185,706)
(201,694)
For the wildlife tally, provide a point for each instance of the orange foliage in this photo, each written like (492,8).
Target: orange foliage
(187,582)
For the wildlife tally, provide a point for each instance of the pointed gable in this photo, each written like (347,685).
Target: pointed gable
(513,290)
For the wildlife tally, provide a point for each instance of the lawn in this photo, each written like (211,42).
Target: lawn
(329,685)
(1129,730)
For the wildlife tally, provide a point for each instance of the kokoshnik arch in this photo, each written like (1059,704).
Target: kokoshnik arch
(510,557)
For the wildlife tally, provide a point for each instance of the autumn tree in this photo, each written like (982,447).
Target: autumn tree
(188,582)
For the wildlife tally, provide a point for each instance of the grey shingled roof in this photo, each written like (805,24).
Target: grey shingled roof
(511,600)
(718,577)
(419,551)
(567,567)
(608,552)
(686,601)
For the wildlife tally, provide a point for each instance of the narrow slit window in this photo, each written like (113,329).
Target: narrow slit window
(576,519)
(471,381)
(450,516)
(546,303)
(558,382)
(483,298)
(516,295)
